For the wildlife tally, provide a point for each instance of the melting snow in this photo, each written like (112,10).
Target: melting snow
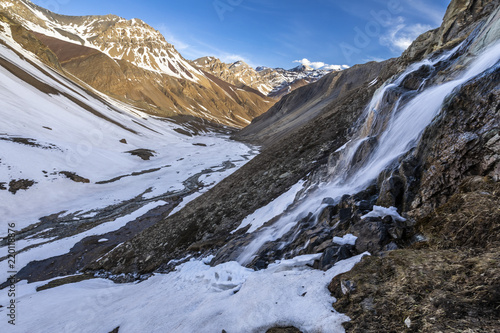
(379,211)
(347,239)
(194,298)
(274,208)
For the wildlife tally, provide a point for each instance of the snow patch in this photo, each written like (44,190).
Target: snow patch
(193,298)
(382,212)
(348,239)
(271,210)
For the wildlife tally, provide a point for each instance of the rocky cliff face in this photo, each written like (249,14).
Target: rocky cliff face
(296,110)
(459,143)
(131,61)
(399,158)
(272,82)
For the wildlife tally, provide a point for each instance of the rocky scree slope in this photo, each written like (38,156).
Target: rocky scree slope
(129,60)
(295,110)
(92,180)
(460,146)
(272,82)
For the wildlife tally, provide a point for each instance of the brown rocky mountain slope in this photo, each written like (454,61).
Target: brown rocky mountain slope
(205,224)
(272,82)
(436,270)
(131,61)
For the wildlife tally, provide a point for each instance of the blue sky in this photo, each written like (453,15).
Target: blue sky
(276,33)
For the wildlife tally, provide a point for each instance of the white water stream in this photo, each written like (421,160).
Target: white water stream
(405,125)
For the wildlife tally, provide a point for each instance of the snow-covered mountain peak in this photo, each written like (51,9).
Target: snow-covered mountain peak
(131,40)
(302,68)
(273,82)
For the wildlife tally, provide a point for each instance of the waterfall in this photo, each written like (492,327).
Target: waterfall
(404,124)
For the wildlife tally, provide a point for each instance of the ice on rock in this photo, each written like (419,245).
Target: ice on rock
(348,239)
(379,211)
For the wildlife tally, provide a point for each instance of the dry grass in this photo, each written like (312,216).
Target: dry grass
(451,285)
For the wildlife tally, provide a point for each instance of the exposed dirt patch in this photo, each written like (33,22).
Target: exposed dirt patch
(28,142)
(138,173)
(74,177)
(63,281)
(289,329)
(144,154)
(20,184)
(65,51)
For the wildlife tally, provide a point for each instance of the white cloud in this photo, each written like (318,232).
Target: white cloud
(335,67)
(320,64)
(377,59)
(399,37)
(306,62)
(428,11)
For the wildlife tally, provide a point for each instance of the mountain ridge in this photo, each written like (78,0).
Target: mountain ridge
(398,159)
(141,67)
(272,82)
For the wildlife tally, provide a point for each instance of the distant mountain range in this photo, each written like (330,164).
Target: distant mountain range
(272,82)
(116,165)
(131,61)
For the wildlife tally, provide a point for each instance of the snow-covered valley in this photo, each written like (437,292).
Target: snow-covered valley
(72,148)
(118,221)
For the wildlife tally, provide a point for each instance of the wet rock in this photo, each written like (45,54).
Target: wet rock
(391,247)
(323,246)
(415,79)
(410,172)
(20,184)
(328,201)
(365,206)
(392,192)
(74,177)
(364,150)
(396,231)
(459,143)
(328,214)
(334,254)
(327,259)
(372,235)
(345,214)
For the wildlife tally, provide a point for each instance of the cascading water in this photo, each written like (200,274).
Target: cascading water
(403,125)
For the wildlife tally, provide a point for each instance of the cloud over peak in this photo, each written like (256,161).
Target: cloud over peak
(320,65)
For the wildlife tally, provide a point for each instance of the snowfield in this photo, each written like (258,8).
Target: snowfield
(193,298)
(71,130)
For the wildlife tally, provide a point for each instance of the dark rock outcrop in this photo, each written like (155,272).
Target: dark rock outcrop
(20,184)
